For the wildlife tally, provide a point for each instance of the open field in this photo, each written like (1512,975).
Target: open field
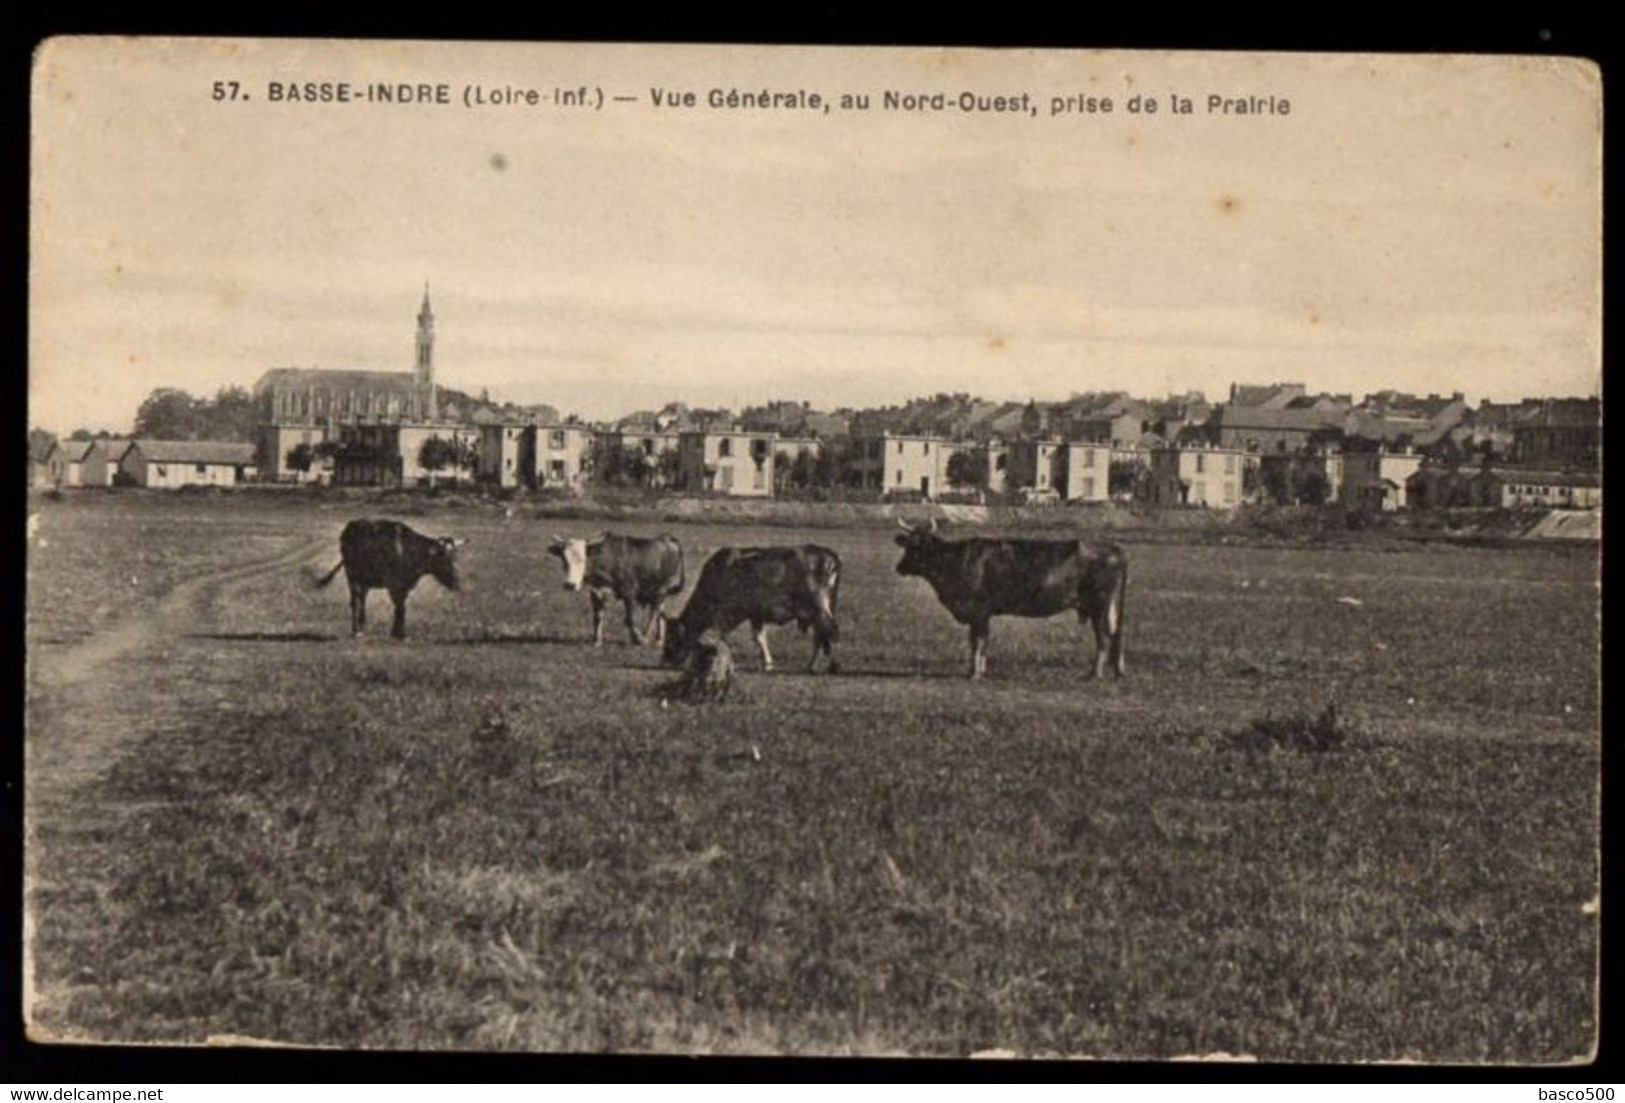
(242,821)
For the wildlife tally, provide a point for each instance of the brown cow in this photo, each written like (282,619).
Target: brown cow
(763,586)
(390,556)
(981,578)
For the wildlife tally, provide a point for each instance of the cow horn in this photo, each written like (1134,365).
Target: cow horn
(933,526)
(904,525)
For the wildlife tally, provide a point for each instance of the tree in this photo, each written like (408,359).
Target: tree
(1313,487)
(668,466)
(606,461)
(966,471)
(827,466)
(1277,480)
(300,457)
(437,455)
(168,414)
(803,469)
(232,415)
(635,466)
(1123,477)
(468,456)
(40,441)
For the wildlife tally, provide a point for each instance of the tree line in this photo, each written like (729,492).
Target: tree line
(170,413)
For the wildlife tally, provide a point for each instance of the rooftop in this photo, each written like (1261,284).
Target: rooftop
(196,451)
(338,379)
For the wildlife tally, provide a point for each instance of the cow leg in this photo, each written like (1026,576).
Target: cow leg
(656,630)
(398,630)
(1103,643)
(1114,628)
(759,630)
(632,622)
(978,648)
(597,619)
(824,640)
(358,610)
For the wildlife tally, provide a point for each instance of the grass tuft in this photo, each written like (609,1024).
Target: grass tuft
(1298,733)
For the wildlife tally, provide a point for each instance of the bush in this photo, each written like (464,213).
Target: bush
(1299,733)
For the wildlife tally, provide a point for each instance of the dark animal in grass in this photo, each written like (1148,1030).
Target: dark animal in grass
(763,586)
(981,578)
(390,556)
(708,672)
(637,570)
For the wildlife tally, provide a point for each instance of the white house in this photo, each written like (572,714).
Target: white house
(178,463)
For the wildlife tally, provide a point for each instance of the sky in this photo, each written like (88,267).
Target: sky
(1423,223)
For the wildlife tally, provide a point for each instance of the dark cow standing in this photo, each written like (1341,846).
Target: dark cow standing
(979,579)
(637,570)
(387,555)
(763,586)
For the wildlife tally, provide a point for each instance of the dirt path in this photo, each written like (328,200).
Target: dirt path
(74,664)
(77,728)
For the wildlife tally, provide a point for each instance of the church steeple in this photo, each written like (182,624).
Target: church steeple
(425,361)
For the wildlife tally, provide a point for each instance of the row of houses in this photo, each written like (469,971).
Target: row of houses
(152,463)
(1445,486)
(745,463)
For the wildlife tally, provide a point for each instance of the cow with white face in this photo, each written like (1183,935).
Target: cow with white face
(637,570)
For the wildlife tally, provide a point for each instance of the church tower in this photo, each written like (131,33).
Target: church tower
(425,362)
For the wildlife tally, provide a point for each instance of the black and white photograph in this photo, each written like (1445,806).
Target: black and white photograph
(672,549)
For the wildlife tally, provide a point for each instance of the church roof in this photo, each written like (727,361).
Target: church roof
(338,379)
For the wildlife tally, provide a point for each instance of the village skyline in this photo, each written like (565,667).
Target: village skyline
(125,426)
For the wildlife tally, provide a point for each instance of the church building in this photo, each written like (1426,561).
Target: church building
(312,405)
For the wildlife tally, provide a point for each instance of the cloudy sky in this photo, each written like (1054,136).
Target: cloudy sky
(1426,224)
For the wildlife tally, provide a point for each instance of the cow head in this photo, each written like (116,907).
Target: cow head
(442,562)
(675,645)
(573,554)
(917,543)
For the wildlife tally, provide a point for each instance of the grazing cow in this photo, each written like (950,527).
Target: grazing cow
(764,586)
(636,570)
(709,672)
(979,578)
(387,555)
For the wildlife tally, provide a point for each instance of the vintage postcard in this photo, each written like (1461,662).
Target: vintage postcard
(935,552)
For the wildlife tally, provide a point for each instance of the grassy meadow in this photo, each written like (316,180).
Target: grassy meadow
(493,836)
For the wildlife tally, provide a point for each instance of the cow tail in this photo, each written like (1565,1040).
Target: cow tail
(322,582)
